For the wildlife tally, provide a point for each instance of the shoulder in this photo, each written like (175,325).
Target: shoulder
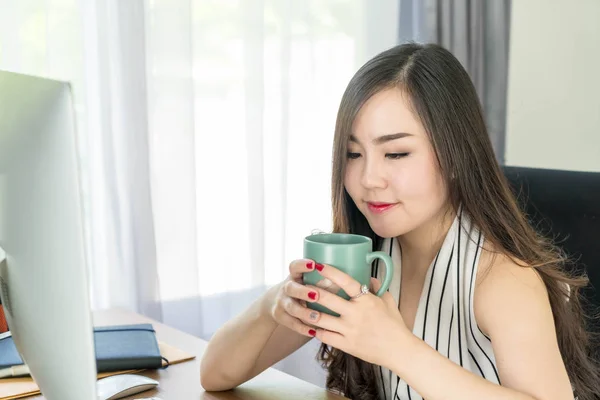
(512,308)
(507,290)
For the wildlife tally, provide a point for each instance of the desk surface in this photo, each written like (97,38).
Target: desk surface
(182,381)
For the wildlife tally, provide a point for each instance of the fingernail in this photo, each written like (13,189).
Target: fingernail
(312,295)
(319,267)
(312,332)
(314,315)
(310,265)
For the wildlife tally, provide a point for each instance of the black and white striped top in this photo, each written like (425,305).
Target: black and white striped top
(445,319)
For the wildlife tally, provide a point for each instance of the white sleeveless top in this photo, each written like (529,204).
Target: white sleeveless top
(445,319)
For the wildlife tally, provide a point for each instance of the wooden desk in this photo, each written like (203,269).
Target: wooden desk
(182,381)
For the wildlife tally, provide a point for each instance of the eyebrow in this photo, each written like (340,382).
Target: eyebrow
(384,138)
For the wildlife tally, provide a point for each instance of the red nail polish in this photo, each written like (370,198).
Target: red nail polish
(310,265)
(312,295)
(319,267)
(312,332)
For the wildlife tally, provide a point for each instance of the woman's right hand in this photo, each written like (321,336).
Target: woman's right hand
(289,308)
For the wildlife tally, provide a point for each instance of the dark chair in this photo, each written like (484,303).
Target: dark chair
(565,205)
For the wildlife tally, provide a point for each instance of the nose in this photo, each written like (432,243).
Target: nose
(373,176)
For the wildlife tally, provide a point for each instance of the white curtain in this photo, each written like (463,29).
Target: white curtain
(206,130)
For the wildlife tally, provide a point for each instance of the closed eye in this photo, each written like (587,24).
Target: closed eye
(396,156)
(353,156)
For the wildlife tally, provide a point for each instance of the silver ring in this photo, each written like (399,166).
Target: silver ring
(364,289)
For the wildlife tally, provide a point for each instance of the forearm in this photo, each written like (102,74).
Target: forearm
(435,377)
(232,352)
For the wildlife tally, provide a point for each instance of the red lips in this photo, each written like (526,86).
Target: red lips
(378,207)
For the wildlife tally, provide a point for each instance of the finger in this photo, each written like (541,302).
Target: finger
(387,296)
(375,285)
(296,310)
(334,302)
(300,291)
(301,266)
(330,323)
(283,317)
(350,285)
(332,339)
(389,300)
(328,285)
(310,316)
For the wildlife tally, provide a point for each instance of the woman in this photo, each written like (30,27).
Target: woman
(480,306)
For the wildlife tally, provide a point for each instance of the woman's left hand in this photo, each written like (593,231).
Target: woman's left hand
(368,326)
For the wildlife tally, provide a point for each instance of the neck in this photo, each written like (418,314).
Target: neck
(420,245)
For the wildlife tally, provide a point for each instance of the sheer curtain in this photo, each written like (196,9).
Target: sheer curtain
(88,44)
(206,132)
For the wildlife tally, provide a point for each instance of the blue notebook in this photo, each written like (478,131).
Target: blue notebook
(118,348)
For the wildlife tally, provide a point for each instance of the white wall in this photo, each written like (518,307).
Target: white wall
(553,112)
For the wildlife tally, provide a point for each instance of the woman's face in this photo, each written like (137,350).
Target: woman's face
(392,172)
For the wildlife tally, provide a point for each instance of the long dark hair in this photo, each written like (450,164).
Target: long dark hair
(445,100)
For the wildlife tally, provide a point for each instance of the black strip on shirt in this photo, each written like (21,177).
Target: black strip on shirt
(450,331)
(382,383)
(431,280)
(476,363)
(486,336)
(391,246)
(442,299)
(470,318)
(458,291)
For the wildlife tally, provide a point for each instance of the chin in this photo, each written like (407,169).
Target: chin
(387,230)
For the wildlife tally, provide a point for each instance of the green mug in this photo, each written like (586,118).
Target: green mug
(352,254)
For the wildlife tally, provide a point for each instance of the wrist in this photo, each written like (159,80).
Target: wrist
(267,302)
(403,351)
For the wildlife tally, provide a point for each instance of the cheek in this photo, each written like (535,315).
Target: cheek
(420,181)
(350,181)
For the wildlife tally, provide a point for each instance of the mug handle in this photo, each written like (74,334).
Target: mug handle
(389,269)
